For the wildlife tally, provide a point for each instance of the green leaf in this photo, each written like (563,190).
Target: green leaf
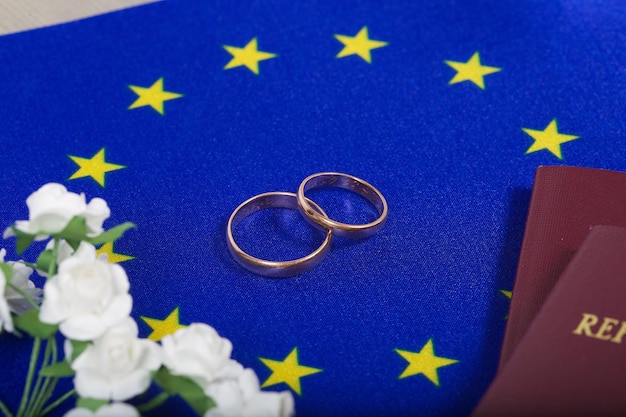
(111,235)
(59,369)
(44,259)
(23,240)
(186,388)
(29,322)
(90,403)
(78,347)
(74,244)
(7,271)
(76,230)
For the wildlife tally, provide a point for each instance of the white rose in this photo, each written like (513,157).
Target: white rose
(270,404)
(5,314)
(110,410)
(228,398)
(242,397)
(117,366)
(199,353)
(85,251)
(86,297)
(21,279)
(52,207)
(10,299)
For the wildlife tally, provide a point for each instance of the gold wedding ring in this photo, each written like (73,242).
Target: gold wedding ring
(276,269)
(317,217)
(313,214)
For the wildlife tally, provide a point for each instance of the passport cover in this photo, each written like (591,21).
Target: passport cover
(571,360)
(565,203)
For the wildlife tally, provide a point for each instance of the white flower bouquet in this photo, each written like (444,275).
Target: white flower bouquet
(85,303)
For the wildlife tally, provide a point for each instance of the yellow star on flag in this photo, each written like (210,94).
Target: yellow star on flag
(248,56)
(112,257)
(424,362)
(360,45)
(472,70)
(94,167)
(162,328)
(153,96)
(508,295)
(549,139)
(288,371)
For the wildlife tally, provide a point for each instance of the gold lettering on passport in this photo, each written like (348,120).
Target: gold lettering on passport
(585,324)
(606,330)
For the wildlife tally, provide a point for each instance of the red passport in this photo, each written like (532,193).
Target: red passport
(565,203)
(572,360)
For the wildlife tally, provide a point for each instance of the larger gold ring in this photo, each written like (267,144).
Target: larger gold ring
(275,269)
(349,182)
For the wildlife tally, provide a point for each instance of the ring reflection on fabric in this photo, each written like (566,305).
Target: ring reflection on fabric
(275,269)
(348,182)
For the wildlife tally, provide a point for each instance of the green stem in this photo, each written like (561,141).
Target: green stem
(26,296)
(57,402)
(29,377)
(50,383)
(38,391)
(5,410)
(53,263)
(153,403)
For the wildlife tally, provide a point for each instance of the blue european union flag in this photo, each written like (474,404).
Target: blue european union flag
(177,111)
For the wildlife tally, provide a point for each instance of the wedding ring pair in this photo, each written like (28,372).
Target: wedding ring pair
(314,214)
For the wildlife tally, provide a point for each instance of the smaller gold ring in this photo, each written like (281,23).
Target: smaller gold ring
(348,182)
(275,269)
